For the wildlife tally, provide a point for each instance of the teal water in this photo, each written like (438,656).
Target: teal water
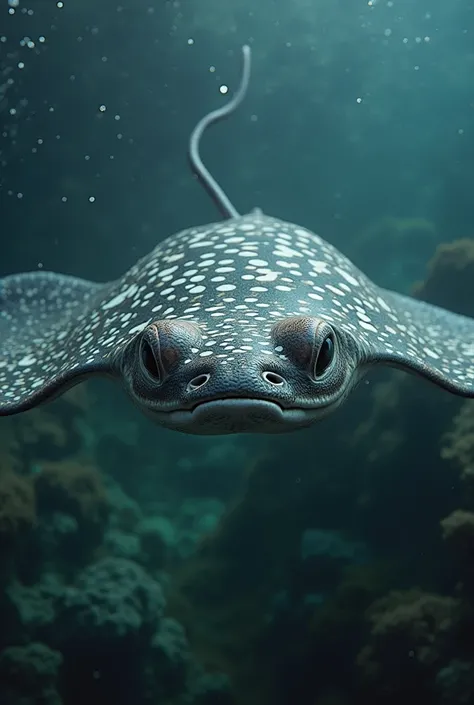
(331,566)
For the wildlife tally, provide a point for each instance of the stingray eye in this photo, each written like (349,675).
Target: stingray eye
(325,357)
(149,361)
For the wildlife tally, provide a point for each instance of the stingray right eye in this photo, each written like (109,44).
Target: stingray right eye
(325,356)
(149,361)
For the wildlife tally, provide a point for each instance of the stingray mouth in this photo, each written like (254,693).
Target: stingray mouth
(236,415)
(238,405)
(236,402)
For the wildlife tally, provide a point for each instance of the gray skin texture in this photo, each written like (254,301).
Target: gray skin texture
(224,328)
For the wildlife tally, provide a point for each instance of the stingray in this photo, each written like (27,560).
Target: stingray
(248,324)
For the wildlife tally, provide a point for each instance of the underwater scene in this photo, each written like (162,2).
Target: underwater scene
(236,352)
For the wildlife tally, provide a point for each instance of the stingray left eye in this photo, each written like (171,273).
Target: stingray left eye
(149,361)
(324,357)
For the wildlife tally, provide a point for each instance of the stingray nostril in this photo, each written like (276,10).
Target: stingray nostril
(198,382)
(273,378)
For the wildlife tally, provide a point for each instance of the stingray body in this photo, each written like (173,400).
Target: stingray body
(249,324)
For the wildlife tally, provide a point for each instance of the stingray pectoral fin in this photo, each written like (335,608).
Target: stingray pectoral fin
(40,356)
(427,340)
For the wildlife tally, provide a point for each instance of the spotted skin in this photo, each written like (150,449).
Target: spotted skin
(38,314)
(33,302)
(236,280)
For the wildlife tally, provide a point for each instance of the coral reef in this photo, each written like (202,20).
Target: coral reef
(113,604)
(412,634)
(449,278)
(85,587)
(74,488)
(17,507)
(17,521)
(458,448)
(29,674)
(454,683)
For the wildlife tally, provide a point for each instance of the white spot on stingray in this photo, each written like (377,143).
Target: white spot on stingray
(169,270)
(335,290)
(319,266)
(363,316)
(348,277)
(37,383)
(139,327)
(368,326)
(200,243)
(381,302)
(268,277)
(258,262)
(120,298)
(247,253)
(27,361)
(468,349)
(285,251)
(430,353)
(175,258)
